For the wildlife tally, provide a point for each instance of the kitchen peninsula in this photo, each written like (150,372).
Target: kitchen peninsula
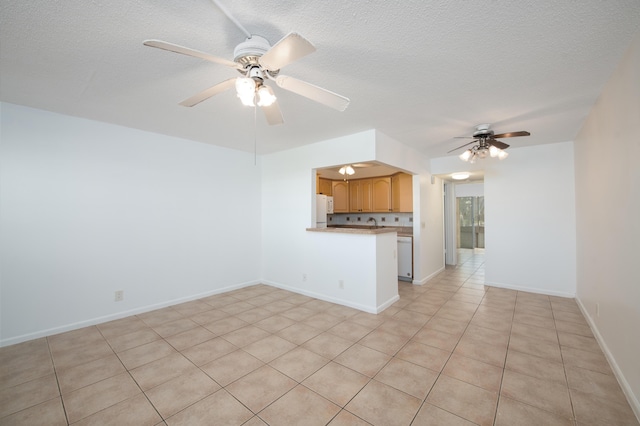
(355,266)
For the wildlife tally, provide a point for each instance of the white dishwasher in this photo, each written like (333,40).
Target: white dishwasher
(405,258)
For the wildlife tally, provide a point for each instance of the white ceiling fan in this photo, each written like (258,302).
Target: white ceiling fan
(257,61)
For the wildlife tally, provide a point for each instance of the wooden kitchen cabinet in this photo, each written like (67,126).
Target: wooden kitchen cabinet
(381,194)
(360,195)
(402,193)
(340,192)
(325,186)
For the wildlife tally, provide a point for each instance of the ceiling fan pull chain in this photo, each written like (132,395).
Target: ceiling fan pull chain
(231,18)
(255,133)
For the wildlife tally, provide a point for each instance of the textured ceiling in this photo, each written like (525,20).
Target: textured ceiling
(420,71)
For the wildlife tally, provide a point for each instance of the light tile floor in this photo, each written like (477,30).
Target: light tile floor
(452,352)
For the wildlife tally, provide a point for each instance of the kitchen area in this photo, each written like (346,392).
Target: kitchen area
(369,204)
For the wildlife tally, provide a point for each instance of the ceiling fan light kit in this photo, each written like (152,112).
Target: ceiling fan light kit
(487,144)
(258,62)
(346,170)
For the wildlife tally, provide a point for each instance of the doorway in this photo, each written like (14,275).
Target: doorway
(470,222)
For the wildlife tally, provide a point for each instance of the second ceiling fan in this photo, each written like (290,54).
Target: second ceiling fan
(257,61)
(487,144)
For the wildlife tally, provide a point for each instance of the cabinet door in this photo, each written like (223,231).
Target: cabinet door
(367,200)
(360,195)
(340,191)
(381,194)
(325,186)
(402,192)
(355,196)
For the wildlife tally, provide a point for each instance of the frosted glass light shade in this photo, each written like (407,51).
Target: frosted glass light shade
(465,155)
(265,96)
(246,90)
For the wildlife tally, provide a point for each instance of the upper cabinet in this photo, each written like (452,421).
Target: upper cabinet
(378,194)
(360,195)
(340,191)
(381,194)
(402,192)
(324,186)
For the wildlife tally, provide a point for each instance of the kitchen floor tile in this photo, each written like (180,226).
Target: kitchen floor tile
(408,377)
(362,359)
(48,413)
(73,378)
(464,400)
(300,406)
(515,413)
(219,408)
(137,407)
(231,367)
(180,392)
(426,356)
(299,363)
(548,396)
(430,415)
(269,348)
(475,372)
(327,345)
(336,383)
(381,404)
(28,394)
(261,387)
(90,399)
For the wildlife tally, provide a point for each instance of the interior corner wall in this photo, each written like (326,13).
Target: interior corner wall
(608,229)
(89,208)
(529,217)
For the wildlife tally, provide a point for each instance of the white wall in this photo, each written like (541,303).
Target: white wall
(530,235)
(88,208)
(288,192)
(469,189)
(529,217)
(608,225)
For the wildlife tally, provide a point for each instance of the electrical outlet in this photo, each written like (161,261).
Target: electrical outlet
(304,277)
(119,296)
(341,284)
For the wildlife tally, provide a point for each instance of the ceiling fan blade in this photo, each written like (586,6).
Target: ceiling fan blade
(498,144)
(511,134)
(313,92)
(272,112)
(190,52)
(464,137)
(462,146)
(211,91)
(289,49)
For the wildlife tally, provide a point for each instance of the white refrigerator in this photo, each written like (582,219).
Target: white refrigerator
(324,206)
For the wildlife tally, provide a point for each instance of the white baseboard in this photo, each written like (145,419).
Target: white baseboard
(626,389)
(358,306)
(423,281)
(118,315)
(531,290)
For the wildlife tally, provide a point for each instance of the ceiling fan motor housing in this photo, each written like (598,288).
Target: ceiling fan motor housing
(250,50)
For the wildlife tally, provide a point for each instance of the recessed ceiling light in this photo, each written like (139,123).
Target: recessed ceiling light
(460,176)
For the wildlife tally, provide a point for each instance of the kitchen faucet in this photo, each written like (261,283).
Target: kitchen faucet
(375,222)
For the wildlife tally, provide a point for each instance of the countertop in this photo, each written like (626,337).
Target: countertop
(354,229)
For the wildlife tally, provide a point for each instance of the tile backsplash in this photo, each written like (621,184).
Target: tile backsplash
(383,219)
